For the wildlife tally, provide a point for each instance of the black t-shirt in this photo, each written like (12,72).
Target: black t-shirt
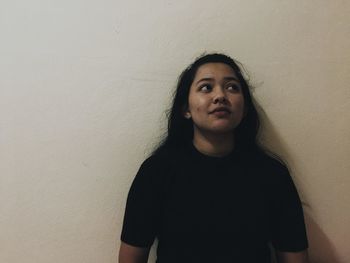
(213,209)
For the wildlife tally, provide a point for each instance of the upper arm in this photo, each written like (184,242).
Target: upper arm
(133,254)
(292,257)
(287,225)
(143,207)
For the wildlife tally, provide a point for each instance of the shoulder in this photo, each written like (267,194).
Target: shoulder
(158,160)
(278,179)
(159,164)
(269,161)
(152,165)
(166,157)
(271,168)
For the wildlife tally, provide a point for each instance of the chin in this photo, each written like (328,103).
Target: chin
(222,130)
(215,129)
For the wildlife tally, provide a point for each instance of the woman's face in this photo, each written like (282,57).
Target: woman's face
(215,102)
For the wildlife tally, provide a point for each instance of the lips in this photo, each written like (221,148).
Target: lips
(221,109)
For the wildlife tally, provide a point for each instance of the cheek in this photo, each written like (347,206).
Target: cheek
(197,105)
(239,105)
(237,101)
(240,101)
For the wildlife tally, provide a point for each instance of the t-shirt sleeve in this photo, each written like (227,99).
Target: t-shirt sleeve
(142,211)
(288,231)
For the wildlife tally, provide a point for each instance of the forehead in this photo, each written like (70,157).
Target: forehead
(214,69)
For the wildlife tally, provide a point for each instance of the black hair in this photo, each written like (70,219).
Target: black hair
(180,129)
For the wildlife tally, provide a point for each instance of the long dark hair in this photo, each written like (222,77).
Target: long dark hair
(180,129)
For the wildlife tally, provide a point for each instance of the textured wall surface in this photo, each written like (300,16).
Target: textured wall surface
(83,91)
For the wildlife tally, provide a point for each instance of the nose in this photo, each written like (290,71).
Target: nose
(219,96)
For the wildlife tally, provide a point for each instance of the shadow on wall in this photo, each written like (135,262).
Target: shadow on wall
(321,249)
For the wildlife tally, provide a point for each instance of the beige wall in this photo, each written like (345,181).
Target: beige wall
(84,86)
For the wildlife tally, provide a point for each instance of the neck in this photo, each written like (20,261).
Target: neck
(217,145)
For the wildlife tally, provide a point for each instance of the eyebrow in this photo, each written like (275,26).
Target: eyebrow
(211,79)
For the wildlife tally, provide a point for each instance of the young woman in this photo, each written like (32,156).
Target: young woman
(210,192)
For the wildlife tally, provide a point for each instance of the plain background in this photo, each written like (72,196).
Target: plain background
(85,85)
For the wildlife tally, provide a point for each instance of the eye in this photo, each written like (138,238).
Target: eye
(205,87)
(233,87)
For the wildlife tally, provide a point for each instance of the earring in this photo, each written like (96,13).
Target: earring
(187,115)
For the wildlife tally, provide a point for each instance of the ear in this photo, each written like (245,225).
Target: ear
(187,115)
(186,112)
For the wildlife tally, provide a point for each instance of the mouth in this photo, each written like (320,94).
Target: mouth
(221,113)
(221,110)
